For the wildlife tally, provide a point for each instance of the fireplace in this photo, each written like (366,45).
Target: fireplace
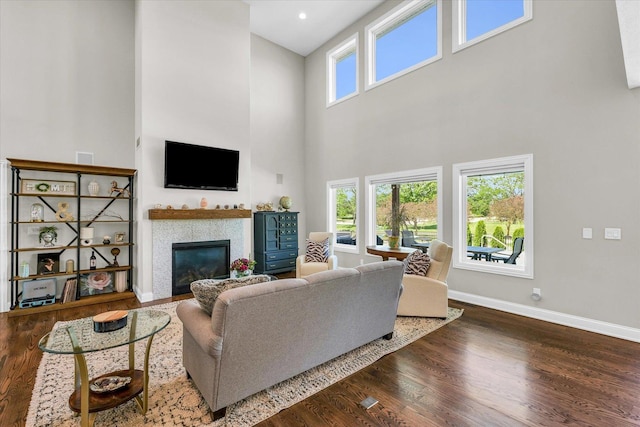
(198,260)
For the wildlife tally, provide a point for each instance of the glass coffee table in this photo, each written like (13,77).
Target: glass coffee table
(78,338)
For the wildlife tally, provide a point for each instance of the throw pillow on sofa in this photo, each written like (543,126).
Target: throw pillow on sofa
(417,263)
(206,291)
(317,251)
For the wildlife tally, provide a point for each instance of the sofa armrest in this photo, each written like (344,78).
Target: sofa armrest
(197,323)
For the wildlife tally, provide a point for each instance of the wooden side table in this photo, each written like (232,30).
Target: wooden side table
(386,252)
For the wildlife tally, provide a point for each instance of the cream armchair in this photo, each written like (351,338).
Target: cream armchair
(304,268)
(427,296)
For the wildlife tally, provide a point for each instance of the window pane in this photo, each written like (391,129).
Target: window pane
(483,16)
(418,212)
(407,44)
(346,203)
(495,214)
(346,75)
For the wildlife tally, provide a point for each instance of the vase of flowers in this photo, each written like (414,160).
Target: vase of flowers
(242,267)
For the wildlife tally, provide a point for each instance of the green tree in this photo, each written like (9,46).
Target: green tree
(469,236)
(518,232)
(481,230)
(509,210)
(483,190)
(346,203)
(418,192)
(498,235)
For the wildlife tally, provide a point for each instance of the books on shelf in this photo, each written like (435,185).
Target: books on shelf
(69,290)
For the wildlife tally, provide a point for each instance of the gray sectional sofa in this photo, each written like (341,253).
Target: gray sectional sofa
(262,334)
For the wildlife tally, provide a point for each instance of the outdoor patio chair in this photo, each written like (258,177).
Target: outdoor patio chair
(518,243)
(408,238)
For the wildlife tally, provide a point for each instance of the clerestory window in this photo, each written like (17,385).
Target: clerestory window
(403,40)
(478,20)
(342,71)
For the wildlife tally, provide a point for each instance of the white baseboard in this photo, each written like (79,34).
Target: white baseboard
(143,297)
(591,325)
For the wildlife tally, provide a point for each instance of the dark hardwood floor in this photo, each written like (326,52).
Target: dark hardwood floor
(488,368)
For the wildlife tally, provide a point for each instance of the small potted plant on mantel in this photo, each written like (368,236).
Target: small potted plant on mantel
(48,234)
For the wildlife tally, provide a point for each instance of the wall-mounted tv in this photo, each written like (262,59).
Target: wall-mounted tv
(200,167)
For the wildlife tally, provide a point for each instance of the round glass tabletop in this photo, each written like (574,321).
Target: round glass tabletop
(140,324)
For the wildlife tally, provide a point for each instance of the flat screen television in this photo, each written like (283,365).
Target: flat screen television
(200,167)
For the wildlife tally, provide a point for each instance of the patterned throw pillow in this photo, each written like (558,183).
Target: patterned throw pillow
(317,251)
(206,291)
(417,263)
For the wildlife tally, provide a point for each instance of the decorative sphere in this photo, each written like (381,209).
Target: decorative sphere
(285,202)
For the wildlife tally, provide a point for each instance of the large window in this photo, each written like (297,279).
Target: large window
(493,209)
(342,71)
(403,40)
(343,213)
(477,20)
(414,196)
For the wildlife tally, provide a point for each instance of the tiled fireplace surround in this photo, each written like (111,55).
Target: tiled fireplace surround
(167,232)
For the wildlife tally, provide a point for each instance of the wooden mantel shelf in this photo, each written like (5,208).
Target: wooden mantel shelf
(199,213)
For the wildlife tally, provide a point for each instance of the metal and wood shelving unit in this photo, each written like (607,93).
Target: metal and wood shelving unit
(87,211)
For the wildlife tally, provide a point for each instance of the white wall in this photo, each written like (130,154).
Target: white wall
(554,87)
(277,126)
(193,79)
(66,80)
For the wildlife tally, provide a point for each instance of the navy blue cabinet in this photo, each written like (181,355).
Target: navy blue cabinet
(275,241)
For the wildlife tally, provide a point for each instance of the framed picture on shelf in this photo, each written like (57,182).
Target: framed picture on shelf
(49,263)
(96,283)
(35,186)
(119,236)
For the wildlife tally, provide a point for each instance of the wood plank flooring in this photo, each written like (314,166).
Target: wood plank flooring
(488,368)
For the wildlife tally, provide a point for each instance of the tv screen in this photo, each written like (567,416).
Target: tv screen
(200,167)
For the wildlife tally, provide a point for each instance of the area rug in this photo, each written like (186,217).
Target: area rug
(174,400)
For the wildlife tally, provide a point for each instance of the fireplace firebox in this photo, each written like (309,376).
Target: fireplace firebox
(198,260)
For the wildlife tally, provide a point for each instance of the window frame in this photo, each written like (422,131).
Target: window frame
(426,174)
(332,211)
(504,164)
(332,58)
(391,18)
(459,25)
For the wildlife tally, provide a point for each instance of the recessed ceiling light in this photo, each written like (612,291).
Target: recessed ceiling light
(302,15)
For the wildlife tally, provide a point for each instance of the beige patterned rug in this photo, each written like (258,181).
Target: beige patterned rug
(174,401)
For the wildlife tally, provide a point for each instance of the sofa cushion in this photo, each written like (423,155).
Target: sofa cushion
(417,263)
(206,291)
(317,251)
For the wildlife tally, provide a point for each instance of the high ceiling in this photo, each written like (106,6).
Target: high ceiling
(278,21)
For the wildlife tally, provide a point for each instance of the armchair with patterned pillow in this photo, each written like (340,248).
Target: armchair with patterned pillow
(425,292)
(319,255)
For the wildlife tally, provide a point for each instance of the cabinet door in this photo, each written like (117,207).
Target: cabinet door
(271,232)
